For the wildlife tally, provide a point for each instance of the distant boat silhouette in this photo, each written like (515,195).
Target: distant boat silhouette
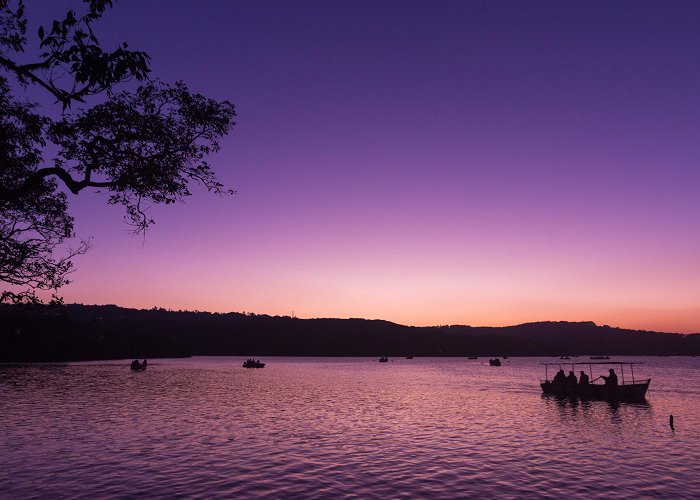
(409,357)
(383,359)
(472,357)
(251,363)
(600,357)
(495,362)
(139,367)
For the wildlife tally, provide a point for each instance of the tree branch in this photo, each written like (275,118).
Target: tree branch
(35,179)
(23,72)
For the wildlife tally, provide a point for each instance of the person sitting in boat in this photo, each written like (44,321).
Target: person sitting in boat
(571,380)
(559,378)
(583,379)
(610,379)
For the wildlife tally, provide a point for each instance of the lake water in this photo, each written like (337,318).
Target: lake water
(322,427)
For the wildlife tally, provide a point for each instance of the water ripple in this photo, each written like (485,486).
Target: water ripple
(438,428)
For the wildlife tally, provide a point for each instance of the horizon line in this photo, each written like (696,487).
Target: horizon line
(249,313)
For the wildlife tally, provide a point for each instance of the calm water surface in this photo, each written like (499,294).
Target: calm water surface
(321,427)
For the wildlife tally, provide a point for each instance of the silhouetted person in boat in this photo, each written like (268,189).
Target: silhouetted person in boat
(559,378)
(610,379)
(144,363)
(571,380)
(583,379)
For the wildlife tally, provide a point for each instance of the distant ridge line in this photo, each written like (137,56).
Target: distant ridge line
(81,332)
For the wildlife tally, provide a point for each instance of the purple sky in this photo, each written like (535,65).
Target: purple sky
(483,163)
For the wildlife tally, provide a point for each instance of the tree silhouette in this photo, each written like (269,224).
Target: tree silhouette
(141,146)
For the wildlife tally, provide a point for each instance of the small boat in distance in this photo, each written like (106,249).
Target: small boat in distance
(600,357)
(472,357)
(625,391)
(252,363)
(494,362)
(564,357)
(409,357)
(383,359)
(139,367)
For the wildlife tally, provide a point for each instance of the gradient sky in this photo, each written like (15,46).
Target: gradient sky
(482,163)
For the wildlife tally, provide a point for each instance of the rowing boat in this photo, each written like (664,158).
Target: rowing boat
(627,390)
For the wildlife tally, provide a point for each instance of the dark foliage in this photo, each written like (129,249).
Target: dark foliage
(140,147)
(74,332)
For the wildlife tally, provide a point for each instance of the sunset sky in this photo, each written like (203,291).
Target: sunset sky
(472,162)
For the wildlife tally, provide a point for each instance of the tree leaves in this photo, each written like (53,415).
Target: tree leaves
(70,47)
(141,147)
(144,146)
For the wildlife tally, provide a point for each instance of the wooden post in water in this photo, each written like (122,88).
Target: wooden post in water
(670,422)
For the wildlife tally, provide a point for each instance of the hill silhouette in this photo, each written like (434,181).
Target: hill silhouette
(83,332)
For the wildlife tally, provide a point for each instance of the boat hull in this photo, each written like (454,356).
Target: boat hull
(634,391)
(139,367)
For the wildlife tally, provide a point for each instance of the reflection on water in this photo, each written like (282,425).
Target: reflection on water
(609,415)
(320,427)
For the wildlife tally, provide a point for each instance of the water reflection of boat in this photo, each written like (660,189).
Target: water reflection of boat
(494,362)
(634,390)
(251,363)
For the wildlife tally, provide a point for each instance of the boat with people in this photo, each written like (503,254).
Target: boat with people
(252,363)
(494,362)
(139,367)
(383,359)
(585,385)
